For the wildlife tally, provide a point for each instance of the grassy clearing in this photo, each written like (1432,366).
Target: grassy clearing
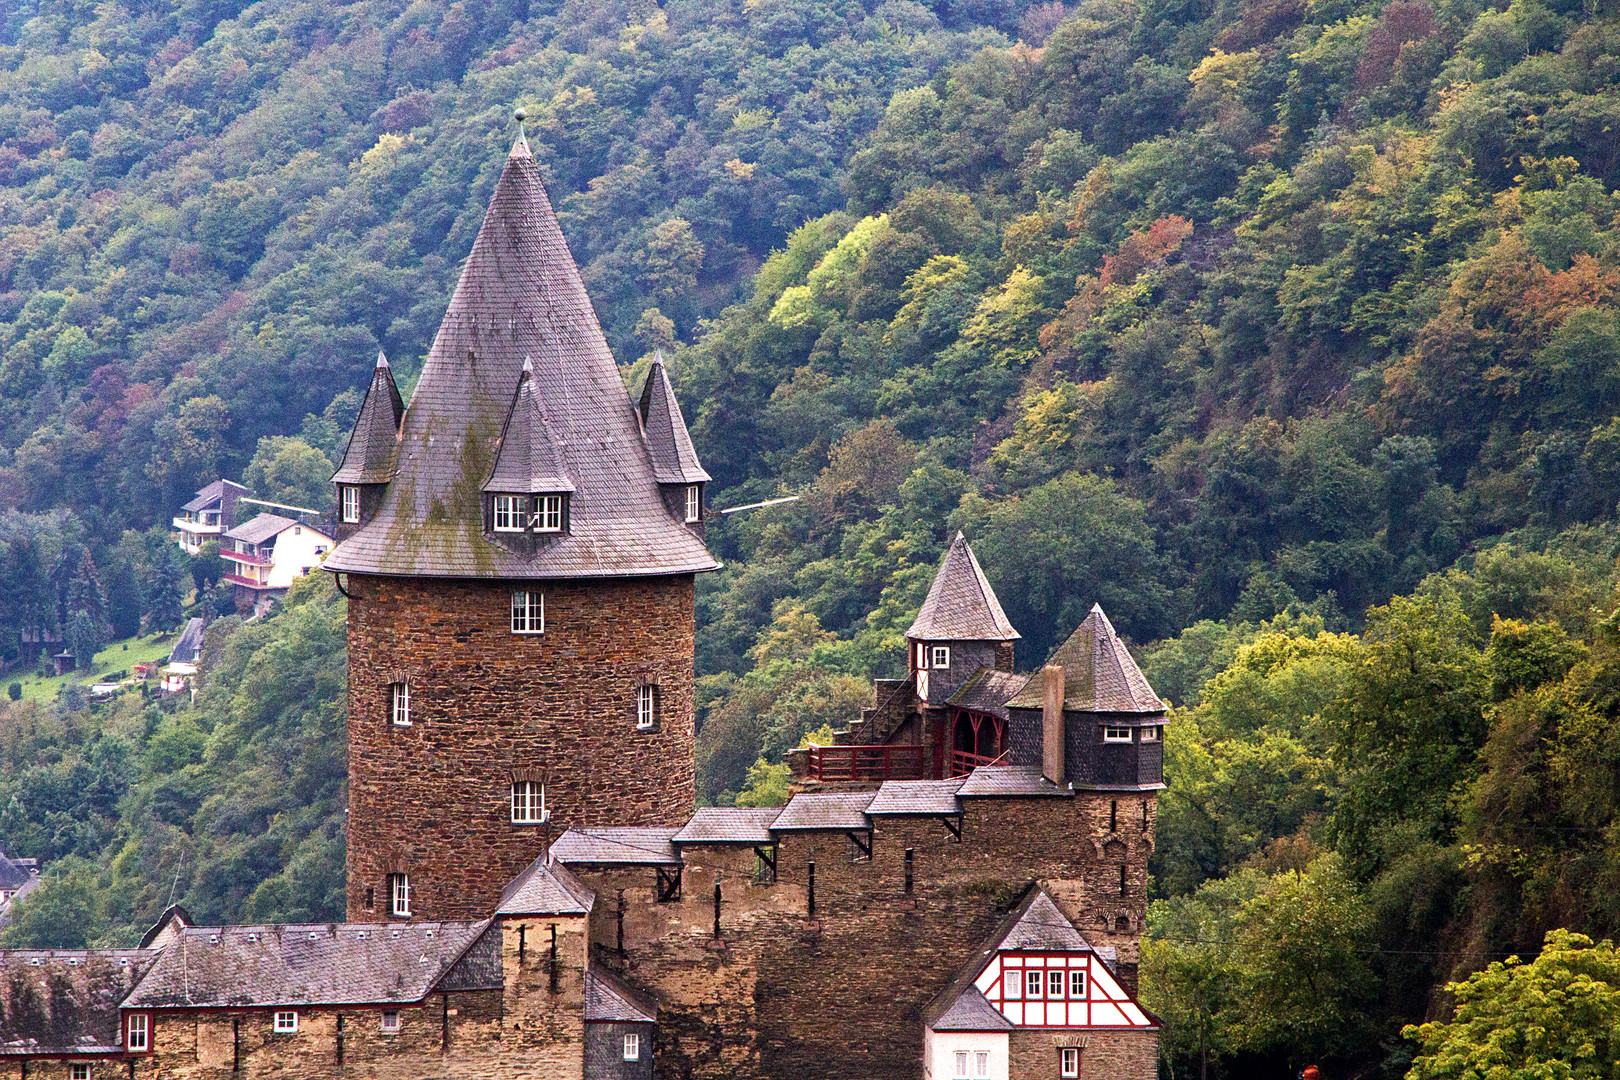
(118,656)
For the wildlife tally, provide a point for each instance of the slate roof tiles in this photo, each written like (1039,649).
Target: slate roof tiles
(629,845)
(729,825)
(961,605)
(825,811)
(1098,673)
(261,528)
(546,889)
(609,998)
(62,1001)
(674,459)
(917,797)
(373,450)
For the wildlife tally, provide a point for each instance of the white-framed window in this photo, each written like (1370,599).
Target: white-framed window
(961,1063)
(1033,981)
(981,1063)
(632,1048)
(694,502)
(286,1022)
(137,1032)
(940,656)
(1150,734)
(1069,1062)
(1077,985)
(399,894)
(528,612)
(646,707)
(1116,734)
(1012,985)
(390,1023)
(509,511)
(78,1072)
(351,503)
(528,802)
(922,656)
(1054,984)
(399,703)
(548,513)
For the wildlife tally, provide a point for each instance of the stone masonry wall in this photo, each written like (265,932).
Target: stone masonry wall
(432,800)
(1104,1055)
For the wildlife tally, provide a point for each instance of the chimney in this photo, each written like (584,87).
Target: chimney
(1052,725)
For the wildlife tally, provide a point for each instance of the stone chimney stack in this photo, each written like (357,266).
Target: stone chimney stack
(1052,725)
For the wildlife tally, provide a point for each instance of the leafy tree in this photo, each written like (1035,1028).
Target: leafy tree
(286,469)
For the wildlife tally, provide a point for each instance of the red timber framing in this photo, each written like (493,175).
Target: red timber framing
(889,761)
(977,738)
(1059,990)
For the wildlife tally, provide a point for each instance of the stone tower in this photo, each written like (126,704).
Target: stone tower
(519,546)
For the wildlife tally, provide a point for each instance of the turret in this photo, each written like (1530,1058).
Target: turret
(526,495)
(675,462)
(959,628)
(372,456)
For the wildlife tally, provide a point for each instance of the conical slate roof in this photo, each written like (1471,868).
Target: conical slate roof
(374,444)
(1098,673)
(520,295)
(961,605)
(528,461)
(675,460)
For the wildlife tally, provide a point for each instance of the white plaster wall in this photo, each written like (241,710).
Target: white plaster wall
(940,1049)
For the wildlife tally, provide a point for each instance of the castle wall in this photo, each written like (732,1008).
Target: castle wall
(432,800)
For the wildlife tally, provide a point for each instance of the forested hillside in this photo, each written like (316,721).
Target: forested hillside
(1286,330)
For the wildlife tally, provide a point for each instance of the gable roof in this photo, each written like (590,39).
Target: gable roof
(189,645)
(1099,674)
(608,998)
(674,458)
(13,873)
(261,528)
(314,964)
(213,493)
(62,1001)
(373,449)
(546,889)
(527,461)
(520,295)
(961,605)
(988,691)
(1041,926)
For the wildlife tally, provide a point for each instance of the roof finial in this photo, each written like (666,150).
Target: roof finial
(658,356)
(528,364)
(522,143)
(382,361)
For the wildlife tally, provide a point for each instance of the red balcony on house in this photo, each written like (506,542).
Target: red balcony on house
(245,582)
(886,762)
(244,557)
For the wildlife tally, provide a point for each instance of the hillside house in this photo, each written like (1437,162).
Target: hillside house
(208,516)
(265,555)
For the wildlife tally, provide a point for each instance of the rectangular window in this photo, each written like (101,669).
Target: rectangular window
(390,1023)
(528,612)
(351,503)
(1116,734)
(78,1072)
(1032,983)
(136,1033)
(399,895)
(1054,984)
(1077,985)
(694,502)
(528,802)
(286,1022)
(1012,983)
(941,656)
(1070,1061)
(509,511)
(961,1069)
(400,703)
(632,1048)
(548,513)
(981,1063)
(1150,734)
(646,707)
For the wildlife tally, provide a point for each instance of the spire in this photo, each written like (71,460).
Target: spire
(374,444)
(528,461)
(520,147)
(675,460)
(961,605)
(1099,674)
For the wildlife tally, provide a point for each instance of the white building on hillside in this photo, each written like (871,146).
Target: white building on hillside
(267,554)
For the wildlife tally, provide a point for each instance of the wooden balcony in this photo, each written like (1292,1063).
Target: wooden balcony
(963,762)
(885,762)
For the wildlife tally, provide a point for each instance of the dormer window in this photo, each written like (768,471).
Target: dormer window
(694,502)
(509,513)
(940,656)
(548,513)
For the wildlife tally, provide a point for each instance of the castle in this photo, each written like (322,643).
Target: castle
(956,890)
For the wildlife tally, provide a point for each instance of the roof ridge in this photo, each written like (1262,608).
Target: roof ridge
(961,605)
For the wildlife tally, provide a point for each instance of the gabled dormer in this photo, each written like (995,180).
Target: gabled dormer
(675,462)
(372,457)
(526,497)
(959,628)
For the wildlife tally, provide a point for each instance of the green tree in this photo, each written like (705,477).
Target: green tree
(286,469)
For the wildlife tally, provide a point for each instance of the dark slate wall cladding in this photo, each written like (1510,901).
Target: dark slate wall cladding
(480,967)
(1150,762)
(604,1052)
(1024,734)
(1086,758)
(966,658)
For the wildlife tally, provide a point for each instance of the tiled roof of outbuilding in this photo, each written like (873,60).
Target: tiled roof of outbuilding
(188,647)
(917,797)
(825,811)
(609,998)
(520,295)
(630,845)
(992,780)
(373,447)
(12,874)
(988,691)
(961,605)
(1098,673)
(729,825)
(971,1011)
(65,1001)
(315,964)
(546,889)
(674,458)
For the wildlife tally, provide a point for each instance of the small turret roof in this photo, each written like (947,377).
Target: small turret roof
(1099,674)
(546,888)
(528,460)
(674,459)
(961,605)
(373,449)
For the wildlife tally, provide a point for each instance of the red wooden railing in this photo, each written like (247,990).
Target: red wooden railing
(887,762)
(963,762)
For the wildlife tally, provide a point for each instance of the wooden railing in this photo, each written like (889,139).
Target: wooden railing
(963,762)
(887,762)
